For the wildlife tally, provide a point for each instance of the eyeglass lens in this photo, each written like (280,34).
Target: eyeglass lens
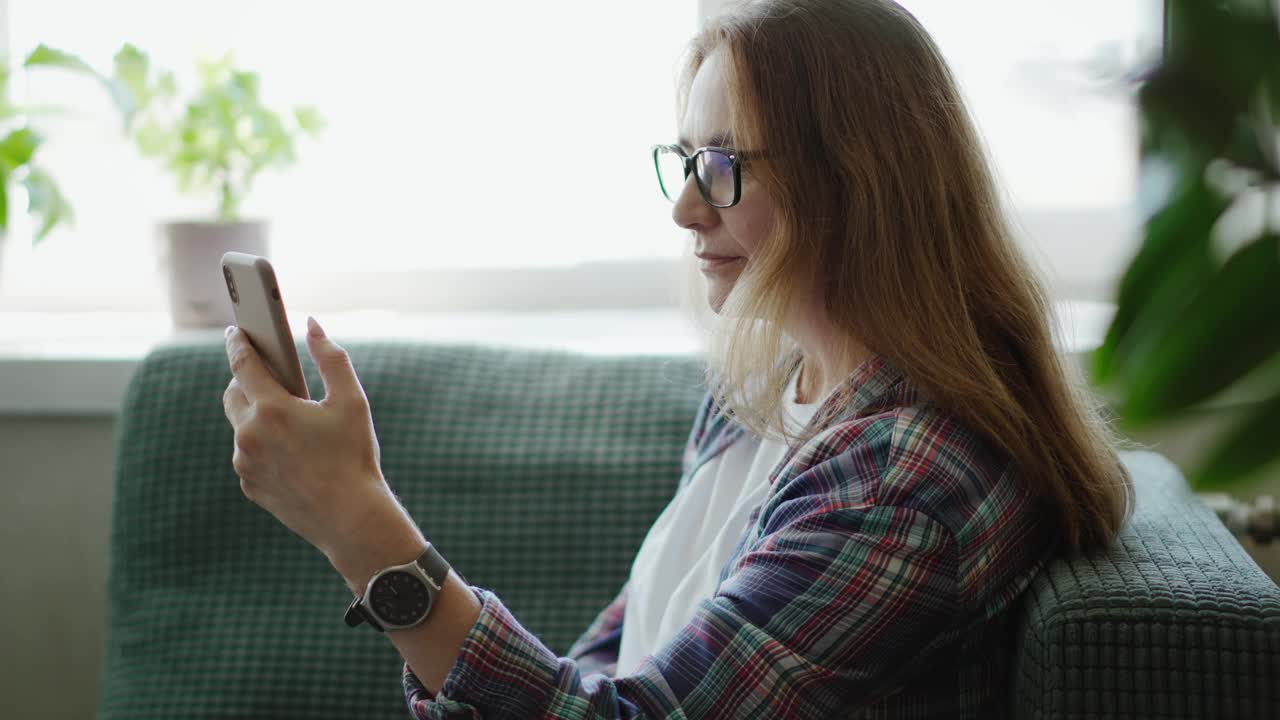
(713,171)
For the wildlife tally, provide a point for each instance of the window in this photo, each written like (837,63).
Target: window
(498,135)
(1043,81)
(452,170)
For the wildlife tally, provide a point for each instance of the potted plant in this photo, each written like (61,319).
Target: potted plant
(19,146)
(215,142)
(1198,308)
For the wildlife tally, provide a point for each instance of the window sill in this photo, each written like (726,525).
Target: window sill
(77,363)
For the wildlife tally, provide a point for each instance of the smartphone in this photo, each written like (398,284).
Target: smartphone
(259,311)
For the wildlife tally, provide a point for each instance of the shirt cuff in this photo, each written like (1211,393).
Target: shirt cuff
(501,669)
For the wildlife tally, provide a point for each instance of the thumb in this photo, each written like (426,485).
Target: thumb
(336,371)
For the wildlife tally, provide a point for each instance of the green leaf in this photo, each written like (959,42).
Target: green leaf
(4,200)
(131,67)
(244,86)
(45,202)
(18,146)
(124,100)
(309,119)
(1223,45)
(46,56)
(1244,150)
(128,83)
(214,73)
(1172,263)
(1247,447)
(166,85)
(1183,99)
(153,140)
(1227,330)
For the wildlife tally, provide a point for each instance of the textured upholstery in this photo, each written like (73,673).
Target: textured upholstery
(1174,620)
(537,473)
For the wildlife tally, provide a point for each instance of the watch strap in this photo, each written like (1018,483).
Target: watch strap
(357,613)
(434,564)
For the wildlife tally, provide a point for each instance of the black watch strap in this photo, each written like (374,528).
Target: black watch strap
(357,613)
(435,567)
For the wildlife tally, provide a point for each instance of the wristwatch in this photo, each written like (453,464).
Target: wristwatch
(400,596)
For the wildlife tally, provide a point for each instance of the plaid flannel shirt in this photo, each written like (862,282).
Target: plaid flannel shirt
(879,578)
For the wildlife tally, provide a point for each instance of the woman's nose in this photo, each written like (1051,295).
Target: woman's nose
(691,210)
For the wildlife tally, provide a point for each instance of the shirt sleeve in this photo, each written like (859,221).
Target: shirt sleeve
(825,612)
(597,649)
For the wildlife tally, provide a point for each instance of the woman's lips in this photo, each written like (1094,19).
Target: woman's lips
(712,263)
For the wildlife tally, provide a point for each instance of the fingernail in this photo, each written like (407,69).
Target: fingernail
(314,327)
(230,329)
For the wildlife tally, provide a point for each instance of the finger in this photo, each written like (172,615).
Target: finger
(334,364)
(247,366)
(234,404)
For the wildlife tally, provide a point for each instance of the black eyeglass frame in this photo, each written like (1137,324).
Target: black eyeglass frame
(736,158)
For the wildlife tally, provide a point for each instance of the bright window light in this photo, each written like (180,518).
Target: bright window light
(512,134)
(508,134)
(1044,83)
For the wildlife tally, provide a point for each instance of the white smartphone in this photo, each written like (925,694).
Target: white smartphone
(259,311)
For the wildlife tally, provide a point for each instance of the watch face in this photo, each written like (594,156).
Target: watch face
(400,598)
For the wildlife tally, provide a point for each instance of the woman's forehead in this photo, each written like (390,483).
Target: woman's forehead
(706,114)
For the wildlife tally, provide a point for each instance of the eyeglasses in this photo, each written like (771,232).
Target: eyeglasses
(718,171)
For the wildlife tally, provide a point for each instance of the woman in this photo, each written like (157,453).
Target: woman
(891,449)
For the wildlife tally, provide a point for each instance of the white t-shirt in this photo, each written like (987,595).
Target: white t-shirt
(679,562)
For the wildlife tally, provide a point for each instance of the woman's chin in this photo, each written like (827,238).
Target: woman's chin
(716,295)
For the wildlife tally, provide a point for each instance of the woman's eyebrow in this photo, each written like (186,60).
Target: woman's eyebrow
(719,140)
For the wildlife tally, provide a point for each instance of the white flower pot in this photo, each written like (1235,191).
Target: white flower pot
(190,258)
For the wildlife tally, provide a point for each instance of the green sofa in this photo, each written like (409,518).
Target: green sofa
(537,473)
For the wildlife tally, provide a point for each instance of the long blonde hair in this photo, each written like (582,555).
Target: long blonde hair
(884,204)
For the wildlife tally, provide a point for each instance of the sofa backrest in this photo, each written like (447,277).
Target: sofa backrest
(1174,619)
(538,473)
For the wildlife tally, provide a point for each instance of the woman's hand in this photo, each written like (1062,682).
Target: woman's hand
(313,465)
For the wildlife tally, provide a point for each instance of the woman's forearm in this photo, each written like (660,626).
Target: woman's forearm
(431,647)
